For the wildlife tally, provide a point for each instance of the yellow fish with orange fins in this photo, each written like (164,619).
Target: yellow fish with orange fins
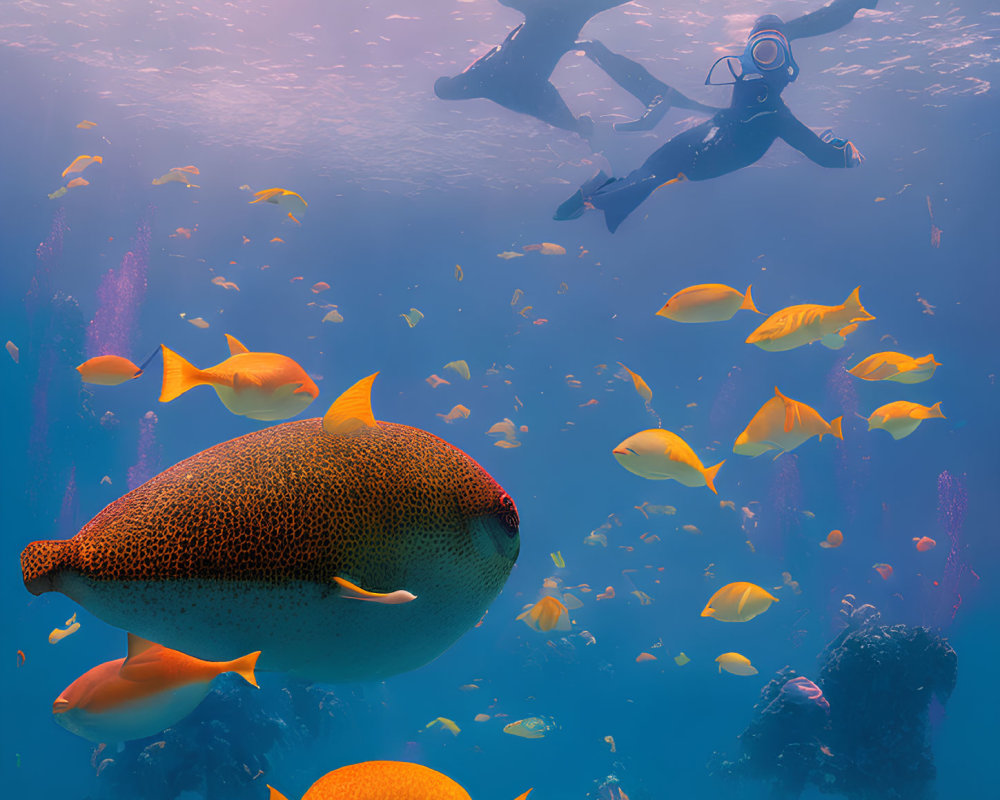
(804,324)
(108,370)
(707,302)
(783,424)
(890,366)
(738,602)
(384,780)
(660,455)
(134,697)
(264,386)
(290,201)
(546,615)
(902,417)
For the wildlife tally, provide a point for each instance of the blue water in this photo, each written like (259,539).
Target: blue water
(402,187)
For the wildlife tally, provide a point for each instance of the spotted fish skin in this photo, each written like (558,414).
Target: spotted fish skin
(235,550)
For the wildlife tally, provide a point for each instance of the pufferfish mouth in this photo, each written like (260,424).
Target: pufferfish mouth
(60,706)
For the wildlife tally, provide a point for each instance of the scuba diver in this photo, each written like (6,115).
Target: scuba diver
(515,74)
(734,137)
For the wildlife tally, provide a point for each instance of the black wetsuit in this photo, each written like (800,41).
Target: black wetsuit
(515,74)
(733,138)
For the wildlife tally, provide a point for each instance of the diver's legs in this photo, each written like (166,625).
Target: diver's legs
(827,19)
(632,77)
(548,105)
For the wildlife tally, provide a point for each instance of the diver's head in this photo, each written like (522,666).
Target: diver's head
(456,88)
(767,56)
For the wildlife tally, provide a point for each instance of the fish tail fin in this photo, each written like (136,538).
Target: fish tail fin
(836,429)
(710,473)
(934,412)
(748,304)
(853,304)
(41,561)
(178,375)
(275,794)
(244,667)
(525,795)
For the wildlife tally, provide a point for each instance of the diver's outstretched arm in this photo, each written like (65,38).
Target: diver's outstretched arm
(825,150)
(827,19)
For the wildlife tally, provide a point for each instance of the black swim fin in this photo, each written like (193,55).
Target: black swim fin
(619,198)
(575,205)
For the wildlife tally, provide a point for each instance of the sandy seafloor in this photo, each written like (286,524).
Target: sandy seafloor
(335,103)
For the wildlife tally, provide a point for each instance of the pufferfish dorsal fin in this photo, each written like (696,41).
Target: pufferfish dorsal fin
(352,411)
(236,346)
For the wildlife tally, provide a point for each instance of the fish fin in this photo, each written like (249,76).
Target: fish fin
(747,304)
(275,794)
(235,346)
(835,428)
(710,473)
(934,412)
(352,410)
(789,410)
(243,381)
(743,599)
(525,795)
(137,645)
(244,667)
(853,304)
(40,563)
(178,375)
(355,592)
(266,195)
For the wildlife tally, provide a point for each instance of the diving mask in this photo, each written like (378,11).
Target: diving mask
(767,51)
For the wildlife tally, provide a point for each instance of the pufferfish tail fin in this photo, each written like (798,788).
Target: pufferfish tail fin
(275,794)
(525,795)
(40,561)
(178,375)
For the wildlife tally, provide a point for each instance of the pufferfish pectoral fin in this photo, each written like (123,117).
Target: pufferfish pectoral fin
(352,411)
(354,592)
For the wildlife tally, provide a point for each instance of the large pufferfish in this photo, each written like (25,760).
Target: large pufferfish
(273,541)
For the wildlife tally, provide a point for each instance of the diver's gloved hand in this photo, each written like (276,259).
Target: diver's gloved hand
(852,156)
(654,112)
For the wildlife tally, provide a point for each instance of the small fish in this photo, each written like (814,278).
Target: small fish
(77,182)
(641,387)
(179,175)
(545,248)
(436,380)
(481,717)
(457,412)
(58,193)
(610,740)
(658,454)
(460,367)
(546,615)
(458,273)
(738,602)
(707,302)
(736,664)
(262,386)
(644,657)
(902,418)
(333,315)
(86,125)
(319,286)
(134,697)
(681,659)
(80,163)
(290,201)
(108,370)
(13,352)
(885,570)
(444,724)
(413,316)
(924,543)
(557,559)
(796,326)
(58,634)
(530,728)
(507,255)
(897,367)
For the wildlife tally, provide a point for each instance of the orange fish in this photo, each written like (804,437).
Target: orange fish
(137,696)
(545,615)
(833,539)
(264,386)
(77,182)
(884,570)
(80,163)
(924,543)
(108,370)
(384,780)
(644,657)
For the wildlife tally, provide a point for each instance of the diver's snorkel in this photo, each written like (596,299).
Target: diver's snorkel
(766,52)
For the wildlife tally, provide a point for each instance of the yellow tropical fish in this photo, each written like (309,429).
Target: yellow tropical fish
(896,367)
(902,417)
(707,302)
(86,124)
(735,664)
(444,724)
(290,201)
(783,424)
(80,163)
(179,175)
(546,615)
(108,370)
(799,325)
(530,728)
(660,455)
(457,412)
(264,386)
(738,602)
(460,367)
(149,690)
(641,387)
(378,780)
